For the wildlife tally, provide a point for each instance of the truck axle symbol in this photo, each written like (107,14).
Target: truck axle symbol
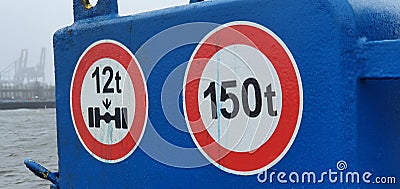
(120,117)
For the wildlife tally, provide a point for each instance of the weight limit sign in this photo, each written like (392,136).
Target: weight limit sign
(109,101)
(242,98)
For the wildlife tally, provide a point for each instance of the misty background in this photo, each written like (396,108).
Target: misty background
(27,24)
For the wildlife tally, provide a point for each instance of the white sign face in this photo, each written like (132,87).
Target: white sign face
(108,82)
(242,98)
(252,112)
(109,101)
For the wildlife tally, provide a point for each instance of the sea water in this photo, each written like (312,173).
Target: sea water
(26,133)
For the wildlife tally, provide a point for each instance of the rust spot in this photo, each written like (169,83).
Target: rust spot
(86,4)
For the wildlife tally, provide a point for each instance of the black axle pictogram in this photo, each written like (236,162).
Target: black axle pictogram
(107,103)
(120,117)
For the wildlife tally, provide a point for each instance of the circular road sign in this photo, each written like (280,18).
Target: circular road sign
(242,98)
(109,101)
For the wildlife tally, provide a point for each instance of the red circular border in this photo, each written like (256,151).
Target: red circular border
(113,51)
(286,128)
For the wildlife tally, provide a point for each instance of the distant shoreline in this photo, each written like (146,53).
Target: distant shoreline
(34,104)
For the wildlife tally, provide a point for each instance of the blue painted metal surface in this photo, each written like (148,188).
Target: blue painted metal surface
(195,1)
(41,171)
(347,53)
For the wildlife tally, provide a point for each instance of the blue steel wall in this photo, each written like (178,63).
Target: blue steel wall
(324,40)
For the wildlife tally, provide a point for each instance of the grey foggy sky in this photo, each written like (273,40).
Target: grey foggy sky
(28,24)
